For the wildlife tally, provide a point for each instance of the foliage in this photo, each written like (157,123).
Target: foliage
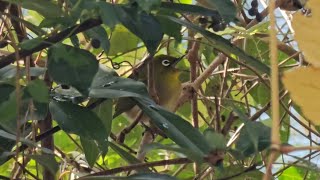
(64,64)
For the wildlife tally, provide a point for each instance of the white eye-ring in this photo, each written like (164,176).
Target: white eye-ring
(165,62)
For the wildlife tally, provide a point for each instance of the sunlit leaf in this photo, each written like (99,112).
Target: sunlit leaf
(299,172)
(304,28)
(118,45)
(304,87)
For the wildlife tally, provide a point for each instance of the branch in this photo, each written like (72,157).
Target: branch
(141,165)
(49,41)
(213,158)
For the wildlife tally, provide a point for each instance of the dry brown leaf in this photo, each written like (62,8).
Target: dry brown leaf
(306,32)
(304,86)
(304,83)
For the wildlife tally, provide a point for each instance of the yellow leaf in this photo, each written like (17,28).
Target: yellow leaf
(306,32)
(304,87)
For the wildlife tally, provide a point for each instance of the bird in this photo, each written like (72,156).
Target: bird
(166,82)
(291,5)
(168,88)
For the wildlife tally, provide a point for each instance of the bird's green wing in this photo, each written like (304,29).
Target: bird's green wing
(127,103)
(123,105)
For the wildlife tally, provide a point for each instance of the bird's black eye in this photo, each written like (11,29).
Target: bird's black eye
(165,62)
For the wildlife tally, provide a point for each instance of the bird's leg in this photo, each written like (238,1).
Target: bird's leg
(147,138)
(127,130)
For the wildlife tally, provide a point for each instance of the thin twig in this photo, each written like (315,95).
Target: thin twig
(275,130)
(141,165)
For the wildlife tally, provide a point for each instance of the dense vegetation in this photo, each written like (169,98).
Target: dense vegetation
(65,64)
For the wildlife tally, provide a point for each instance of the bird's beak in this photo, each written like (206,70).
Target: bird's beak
(177,60)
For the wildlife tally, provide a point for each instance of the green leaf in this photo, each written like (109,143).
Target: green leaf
(191,155)
(72,66)
(107,85)
(46,8)
(25,141)
(31,43)
(125,155)
(225,46)
(47,161)
(226,8)
(148,5)
(128,157)
(41,110)
(104,112)
(8,112)
(90,149)
(143,25)
(216,140)
(254,136)
(100,34)
(38,90)
(6,146)
(170,28)
(297,173)
(9,71)
(117,42)
(108,13)
(5,90)
(55,21)
(78,120)
(175,128)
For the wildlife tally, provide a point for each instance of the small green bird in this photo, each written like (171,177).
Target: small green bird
(166,81)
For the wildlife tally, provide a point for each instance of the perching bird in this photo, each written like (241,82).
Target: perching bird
(167,86)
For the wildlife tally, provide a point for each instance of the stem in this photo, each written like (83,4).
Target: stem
(275,138)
